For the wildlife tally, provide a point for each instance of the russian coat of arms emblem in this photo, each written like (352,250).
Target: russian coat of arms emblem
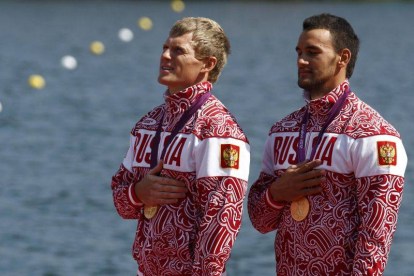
(230,156)
(387,153)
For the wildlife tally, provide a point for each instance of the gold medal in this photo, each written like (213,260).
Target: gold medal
(300,209)
(150,211)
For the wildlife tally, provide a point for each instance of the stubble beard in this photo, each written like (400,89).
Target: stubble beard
(316,83)
(313,85)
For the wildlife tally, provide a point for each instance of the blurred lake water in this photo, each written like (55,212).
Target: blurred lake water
(59,146)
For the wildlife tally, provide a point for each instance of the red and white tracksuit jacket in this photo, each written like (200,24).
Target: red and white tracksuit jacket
(211,155)
(350,225)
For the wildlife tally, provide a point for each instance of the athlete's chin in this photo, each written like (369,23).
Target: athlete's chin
(305,84)
(163,80)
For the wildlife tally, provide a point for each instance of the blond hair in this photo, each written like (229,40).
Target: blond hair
(209,40)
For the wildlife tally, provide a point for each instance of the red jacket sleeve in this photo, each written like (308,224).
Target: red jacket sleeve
(379,198)
(221,201)
(264,212)
(379,182)
(222,170)
(126,202)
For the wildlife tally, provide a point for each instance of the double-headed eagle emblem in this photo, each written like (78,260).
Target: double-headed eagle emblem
(387,153)
(230,156)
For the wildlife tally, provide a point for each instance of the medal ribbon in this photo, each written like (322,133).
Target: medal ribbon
(181,123)
(300,153)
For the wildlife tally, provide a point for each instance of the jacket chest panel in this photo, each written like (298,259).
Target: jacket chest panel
(333,150)
(178,155)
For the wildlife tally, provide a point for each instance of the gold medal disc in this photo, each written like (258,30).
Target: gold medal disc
(300,209)
(150,211)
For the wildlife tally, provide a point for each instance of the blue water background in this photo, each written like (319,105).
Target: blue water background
(60,146)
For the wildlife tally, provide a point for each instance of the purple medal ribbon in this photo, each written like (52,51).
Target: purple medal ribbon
(181,123)
(301,154)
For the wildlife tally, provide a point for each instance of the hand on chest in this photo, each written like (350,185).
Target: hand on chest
(333,150)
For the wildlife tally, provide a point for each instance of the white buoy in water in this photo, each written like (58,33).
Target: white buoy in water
(1,107)
(125,34)
(69,62)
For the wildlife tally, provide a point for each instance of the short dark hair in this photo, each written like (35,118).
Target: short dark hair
(343,35)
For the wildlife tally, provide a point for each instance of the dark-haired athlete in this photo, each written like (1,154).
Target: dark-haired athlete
(335,214)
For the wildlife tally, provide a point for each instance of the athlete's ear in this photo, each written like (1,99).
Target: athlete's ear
(344,58)
(209,64)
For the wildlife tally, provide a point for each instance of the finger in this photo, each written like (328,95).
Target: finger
(311,174)
(309,166)
(313,182)
(155,196)
(298,165)
(165,201)
(168,195)
(301,164)
(175,189)
(169,188)
(157,169)
(166,198)
(168,181)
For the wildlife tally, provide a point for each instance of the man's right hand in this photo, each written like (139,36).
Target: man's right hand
(298,181)
(154,189)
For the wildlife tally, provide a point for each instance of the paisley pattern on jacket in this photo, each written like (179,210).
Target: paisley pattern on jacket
(195,235)
(351,222)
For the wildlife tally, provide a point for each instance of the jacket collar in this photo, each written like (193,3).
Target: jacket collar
(181,101)
(323,105)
